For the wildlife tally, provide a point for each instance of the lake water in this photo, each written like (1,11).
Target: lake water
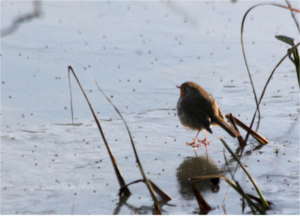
(138,51)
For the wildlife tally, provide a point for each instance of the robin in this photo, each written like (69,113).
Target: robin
(197,110)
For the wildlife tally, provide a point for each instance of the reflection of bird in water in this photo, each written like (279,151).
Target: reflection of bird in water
(193,167)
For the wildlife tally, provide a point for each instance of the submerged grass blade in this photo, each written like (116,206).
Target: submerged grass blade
(233,185)
(198,178)
(227,165)
(258,200)
(234,121)
(113,160)
(265,204)
(135,153)
(245,197)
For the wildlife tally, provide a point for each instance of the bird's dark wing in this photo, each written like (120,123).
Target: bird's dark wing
(220,113)
(194,111)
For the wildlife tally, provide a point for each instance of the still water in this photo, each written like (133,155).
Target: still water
(138,52)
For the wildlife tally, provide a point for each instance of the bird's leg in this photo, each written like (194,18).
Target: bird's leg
(194,144)
(204,141)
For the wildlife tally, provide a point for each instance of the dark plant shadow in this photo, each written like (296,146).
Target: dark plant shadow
(139,210)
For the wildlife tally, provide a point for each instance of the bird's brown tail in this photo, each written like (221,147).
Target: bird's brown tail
(230,130)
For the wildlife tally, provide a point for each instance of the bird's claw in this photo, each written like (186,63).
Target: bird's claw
(203,142)
(193,144)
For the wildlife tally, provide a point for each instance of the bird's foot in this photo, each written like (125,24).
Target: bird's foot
(205,142)
(193,144)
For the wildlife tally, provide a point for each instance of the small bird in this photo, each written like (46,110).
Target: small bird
(197,110)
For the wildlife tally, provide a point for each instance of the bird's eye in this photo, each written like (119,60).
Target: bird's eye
(184,89)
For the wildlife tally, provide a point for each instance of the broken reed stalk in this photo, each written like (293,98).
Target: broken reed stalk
(232,184)
(257,136)
(232,121)
(113,160)
(265,204)
(149,186)
(242,42)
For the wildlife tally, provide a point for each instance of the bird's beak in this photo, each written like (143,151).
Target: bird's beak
(178,86)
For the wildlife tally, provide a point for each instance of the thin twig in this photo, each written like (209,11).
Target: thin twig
(113,160)
(242,42)
(227,165)
(293,15)
(257,103)
(135,153)
(248,70)
(71,101)
(264,90)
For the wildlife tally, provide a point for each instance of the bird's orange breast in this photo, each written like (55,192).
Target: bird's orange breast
(182,92)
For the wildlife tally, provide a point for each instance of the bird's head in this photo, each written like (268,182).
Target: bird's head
(187,88)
